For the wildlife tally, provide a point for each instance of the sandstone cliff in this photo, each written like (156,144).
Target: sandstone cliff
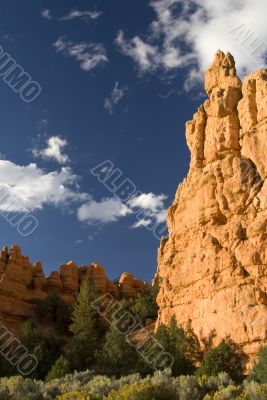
(23,284)
(213,264)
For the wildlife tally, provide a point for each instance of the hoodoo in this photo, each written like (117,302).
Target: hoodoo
(22,284)
(213,264)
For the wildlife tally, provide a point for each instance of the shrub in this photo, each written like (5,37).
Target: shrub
(4,393)
(46,353)
(30,335)
(45,349)
(74,382)
(254,391)
(142,391)
(188,388)
(59,369)
(19,388)
(229,393)
(223,358)
(213,383)
(259,371)
(175,341)
(74,396)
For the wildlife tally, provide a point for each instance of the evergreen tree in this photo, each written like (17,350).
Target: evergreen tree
(63,316)
(55,308)
(84,328)
(145,304)
(118,356)
(45,348)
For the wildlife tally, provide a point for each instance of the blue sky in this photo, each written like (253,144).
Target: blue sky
(118,82)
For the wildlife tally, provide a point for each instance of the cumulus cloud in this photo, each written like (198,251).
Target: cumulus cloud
(54,150)
(45,13)
(107,210)
(147,208)
(29,188)
(116,95)
(84,15)
(89,55)
(187,34)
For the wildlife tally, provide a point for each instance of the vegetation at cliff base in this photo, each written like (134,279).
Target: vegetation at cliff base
(90,359)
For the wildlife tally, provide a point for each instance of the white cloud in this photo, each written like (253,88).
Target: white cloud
(28,188)
(45,13)
(187,34)
(148,201)
(148,207)
(84,15)
(142,223)
(54,150)
(89,55)
(105,211)
(153,208)
(143,54)
(116,95)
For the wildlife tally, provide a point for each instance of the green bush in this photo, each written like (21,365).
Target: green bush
(160,386)
(229,393)
(253,391)
(18,388)
(59,369)
(30,335)
(74,396)
(259,371)
(180,344)
(45,349)
(142,391)
(223,358)
(145,305)
(188,388)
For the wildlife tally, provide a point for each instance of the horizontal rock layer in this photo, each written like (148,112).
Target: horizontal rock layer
(213,264)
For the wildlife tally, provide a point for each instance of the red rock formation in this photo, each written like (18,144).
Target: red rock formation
(213,265)
(22,285)
(130,286)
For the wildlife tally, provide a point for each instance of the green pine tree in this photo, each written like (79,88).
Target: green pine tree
(145,304)
(84,328)
(117,355)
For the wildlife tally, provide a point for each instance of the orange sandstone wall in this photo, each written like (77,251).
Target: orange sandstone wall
(213,265)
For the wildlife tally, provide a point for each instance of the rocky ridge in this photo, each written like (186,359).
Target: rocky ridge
(23,284)
(213,265)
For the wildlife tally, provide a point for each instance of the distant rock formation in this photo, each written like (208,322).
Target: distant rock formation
(23,284)
(213,265)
